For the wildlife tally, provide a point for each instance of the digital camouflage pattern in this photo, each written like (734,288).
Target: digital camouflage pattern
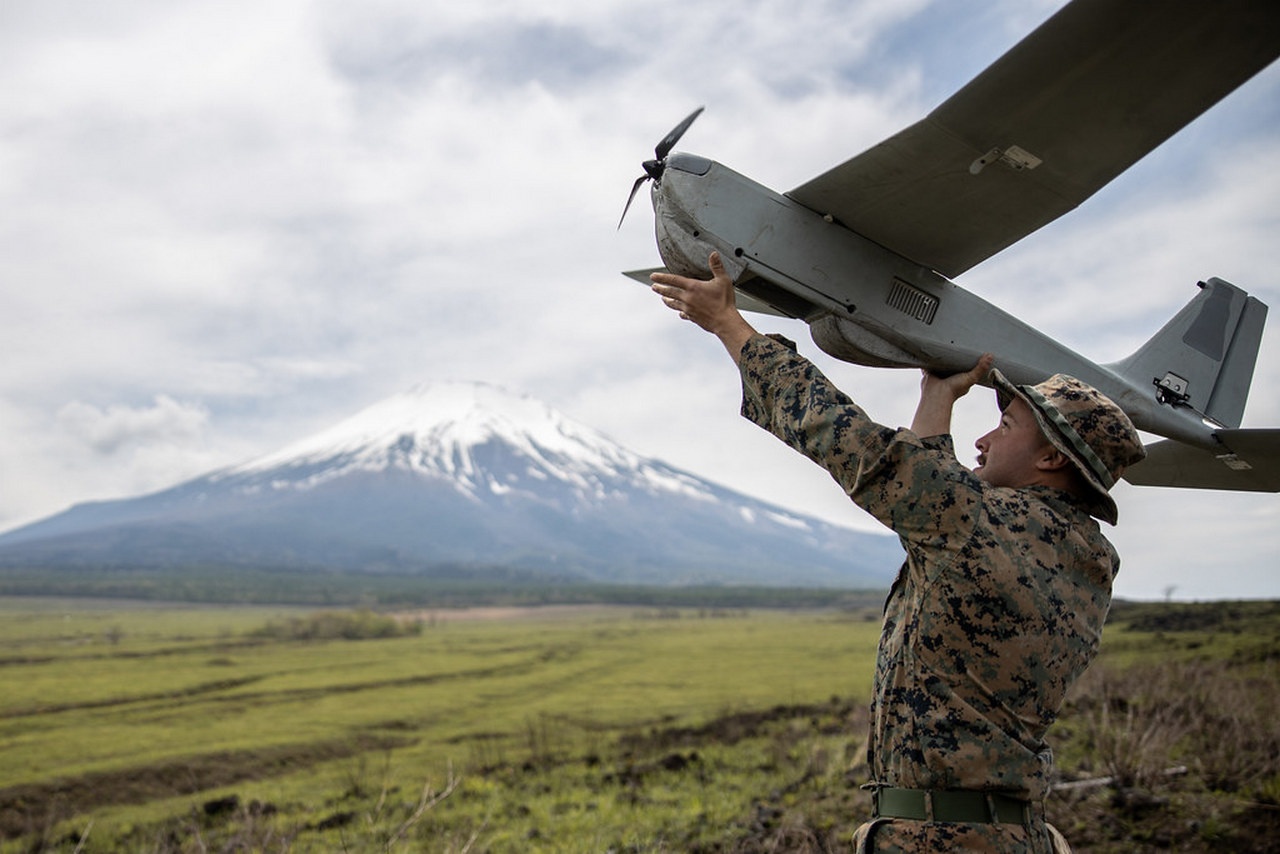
(997,610)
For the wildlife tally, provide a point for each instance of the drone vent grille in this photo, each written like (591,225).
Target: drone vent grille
(913,301)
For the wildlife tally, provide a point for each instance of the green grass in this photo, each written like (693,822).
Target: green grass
(93,691)
(188,728)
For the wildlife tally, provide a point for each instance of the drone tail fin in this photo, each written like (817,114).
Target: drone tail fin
(1204,356)
(1248,460)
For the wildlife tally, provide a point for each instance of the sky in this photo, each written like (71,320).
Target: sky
(228,224)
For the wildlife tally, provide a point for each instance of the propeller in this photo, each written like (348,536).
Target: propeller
(653,168)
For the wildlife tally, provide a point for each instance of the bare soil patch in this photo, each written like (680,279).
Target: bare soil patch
(27,809)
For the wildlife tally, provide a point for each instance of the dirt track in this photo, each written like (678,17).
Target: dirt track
(552,612)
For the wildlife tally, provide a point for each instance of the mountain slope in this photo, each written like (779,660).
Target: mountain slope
(461,475)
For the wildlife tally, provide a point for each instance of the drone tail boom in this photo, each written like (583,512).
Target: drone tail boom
(1204,357)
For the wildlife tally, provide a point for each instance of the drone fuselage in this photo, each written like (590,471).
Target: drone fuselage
(867,305)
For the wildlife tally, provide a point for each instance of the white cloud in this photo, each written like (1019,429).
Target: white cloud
(107,430)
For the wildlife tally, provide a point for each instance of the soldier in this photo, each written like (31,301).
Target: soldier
(1000,604)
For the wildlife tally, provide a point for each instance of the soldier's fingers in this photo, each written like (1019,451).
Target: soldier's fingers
(983,367)
(664,290)
(670,280)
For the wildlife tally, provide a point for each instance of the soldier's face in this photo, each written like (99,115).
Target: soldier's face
(1008,455)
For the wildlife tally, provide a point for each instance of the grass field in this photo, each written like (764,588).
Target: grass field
(149,727)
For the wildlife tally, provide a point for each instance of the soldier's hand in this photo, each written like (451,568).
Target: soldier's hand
(710,303)
(938,394)
(956,386)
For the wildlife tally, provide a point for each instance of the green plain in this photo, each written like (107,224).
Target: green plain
(143,726)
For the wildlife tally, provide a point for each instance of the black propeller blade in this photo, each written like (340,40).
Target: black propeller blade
(653,168)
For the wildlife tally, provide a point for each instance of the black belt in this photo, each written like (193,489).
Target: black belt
(950,805)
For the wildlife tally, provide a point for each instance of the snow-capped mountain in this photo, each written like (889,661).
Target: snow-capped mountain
(454,475)
(484,441)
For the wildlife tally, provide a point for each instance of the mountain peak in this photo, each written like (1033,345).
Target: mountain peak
(456,432)
(456,413)
(422,410)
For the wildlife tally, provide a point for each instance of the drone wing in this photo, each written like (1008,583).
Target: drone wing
(1070,107)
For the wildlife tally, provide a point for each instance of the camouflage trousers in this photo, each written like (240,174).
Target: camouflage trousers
(907,836)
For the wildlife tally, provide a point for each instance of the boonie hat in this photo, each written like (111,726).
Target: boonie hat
(1085,425)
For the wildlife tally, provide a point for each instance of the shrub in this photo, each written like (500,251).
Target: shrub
(363,624)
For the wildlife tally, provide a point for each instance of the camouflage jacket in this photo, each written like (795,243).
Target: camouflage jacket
(997,610)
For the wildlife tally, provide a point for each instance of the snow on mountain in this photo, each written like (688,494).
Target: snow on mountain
(455,475)
(438,431)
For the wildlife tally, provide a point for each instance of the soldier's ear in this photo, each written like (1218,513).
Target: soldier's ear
(1053,460)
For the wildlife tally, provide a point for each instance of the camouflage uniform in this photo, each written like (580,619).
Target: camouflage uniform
(997,610)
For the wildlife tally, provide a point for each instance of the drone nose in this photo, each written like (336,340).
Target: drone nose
(653,168)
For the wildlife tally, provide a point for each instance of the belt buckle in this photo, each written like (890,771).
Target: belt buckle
(875,789)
